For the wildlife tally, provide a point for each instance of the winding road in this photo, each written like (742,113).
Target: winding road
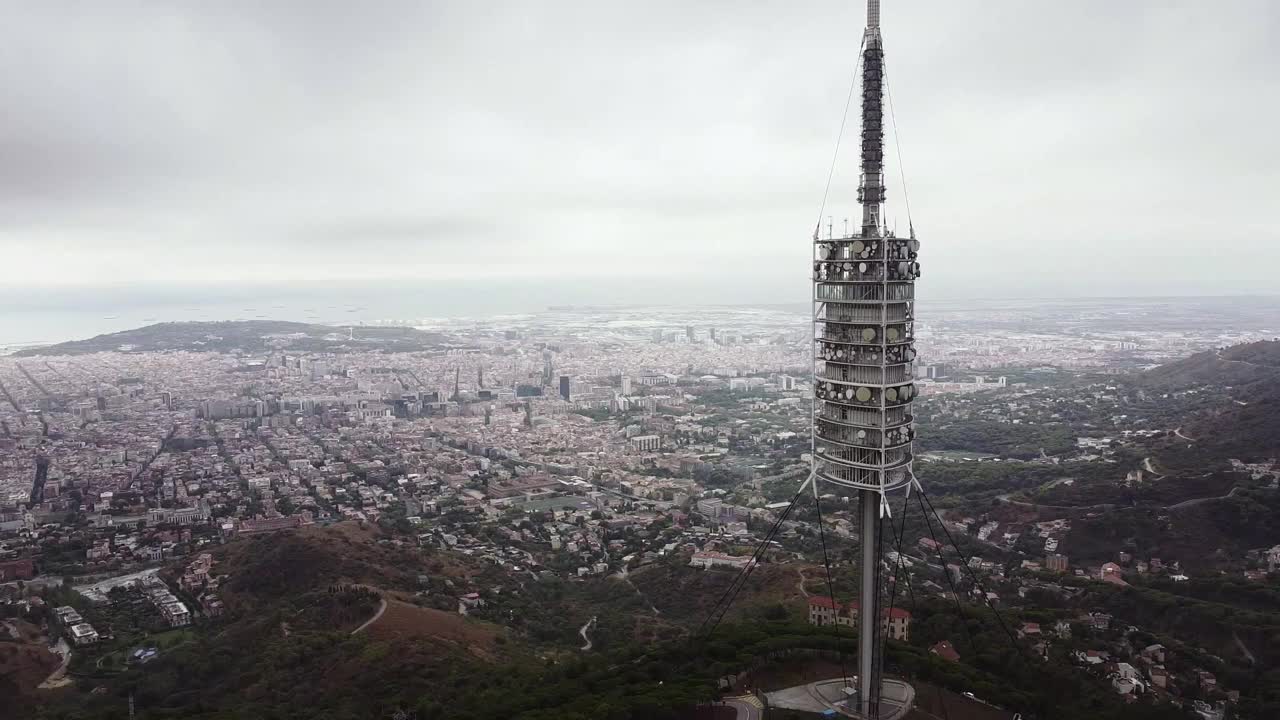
(1197,501)
(583,633)
(1110,506)
(748,707)
(1005,498)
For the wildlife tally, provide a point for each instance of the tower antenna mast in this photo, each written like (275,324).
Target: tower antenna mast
(864,296)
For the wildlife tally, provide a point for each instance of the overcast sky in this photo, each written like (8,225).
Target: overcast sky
(1051,148)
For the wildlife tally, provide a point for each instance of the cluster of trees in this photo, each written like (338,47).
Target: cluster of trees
(1022,441)
(337,607)
(719,475)
(251,669)
(1194,535)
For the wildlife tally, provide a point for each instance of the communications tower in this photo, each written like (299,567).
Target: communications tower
(864,346)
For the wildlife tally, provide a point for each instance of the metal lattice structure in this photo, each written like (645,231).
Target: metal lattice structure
(864,348)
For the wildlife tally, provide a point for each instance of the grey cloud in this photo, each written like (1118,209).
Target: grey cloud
(457,232)
(285,138)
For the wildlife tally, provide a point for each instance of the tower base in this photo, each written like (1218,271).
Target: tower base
(896,698)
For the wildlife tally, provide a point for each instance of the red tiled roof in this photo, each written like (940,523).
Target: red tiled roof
(945,651)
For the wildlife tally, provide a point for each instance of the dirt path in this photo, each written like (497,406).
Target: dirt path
(1240,644)
(626,576)
(1178,432)
(583,633)
(382,607)
(59,677)
(1146,465)
(800,585)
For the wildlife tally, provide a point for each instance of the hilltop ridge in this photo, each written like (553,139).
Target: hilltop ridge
(246,335)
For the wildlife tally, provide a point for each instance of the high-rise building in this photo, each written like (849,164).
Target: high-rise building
(711,334)
(864,292)
(547,372)
(626,385)
(689,333)
(565,383)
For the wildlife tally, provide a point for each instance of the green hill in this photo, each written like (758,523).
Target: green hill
(1238,366)
(1243,384)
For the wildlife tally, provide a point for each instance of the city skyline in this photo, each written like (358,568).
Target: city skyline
(404,143)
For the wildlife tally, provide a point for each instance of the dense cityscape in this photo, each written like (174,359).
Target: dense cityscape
(590,446)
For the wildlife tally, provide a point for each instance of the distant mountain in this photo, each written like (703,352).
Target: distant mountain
(247,335)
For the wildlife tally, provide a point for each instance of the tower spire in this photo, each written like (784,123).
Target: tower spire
(871,192)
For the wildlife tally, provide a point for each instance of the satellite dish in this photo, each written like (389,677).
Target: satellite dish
(892,334)
(858,246)
(862,267)
(861,434)
(891,395)
(863,394)
(868,334)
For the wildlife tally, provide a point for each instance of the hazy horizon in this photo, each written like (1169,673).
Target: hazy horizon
(72,315)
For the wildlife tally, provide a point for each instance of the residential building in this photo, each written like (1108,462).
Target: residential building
(896,622)
(645,443)
(707,559)
(83,634)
